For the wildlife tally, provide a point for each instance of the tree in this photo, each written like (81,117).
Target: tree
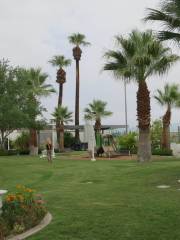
(36,87)
(78,40)
(140,56)
(169,16)
(97,110)
(169,97)
(60,61)
(11,97)
(62,115)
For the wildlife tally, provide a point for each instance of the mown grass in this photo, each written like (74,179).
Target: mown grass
(103,200)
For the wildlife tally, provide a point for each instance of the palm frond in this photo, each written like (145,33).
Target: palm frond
(78,39)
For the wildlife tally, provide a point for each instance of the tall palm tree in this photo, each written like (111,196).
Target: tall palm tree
(78,40)
(62,115)
(97,110)
(169,15)
(169,97)
(60,61)
(36,80)
(140,56)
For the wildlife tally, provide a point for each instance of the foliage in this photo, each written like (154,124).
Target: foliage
(139,56)
(156,134)
(170,96)
(23,209)
(169,16)
(96,110)
(62,114)
(69,139)
(11,98)
(60,61)
(128,141)
(162,152)
(78,39)
(22,142)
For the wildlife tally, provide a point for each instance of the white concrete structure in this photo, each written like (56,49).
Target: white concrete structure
(2,192)
(176,149)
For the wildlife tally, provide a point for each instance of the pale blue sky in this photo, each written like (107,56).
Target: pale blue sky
(31,32)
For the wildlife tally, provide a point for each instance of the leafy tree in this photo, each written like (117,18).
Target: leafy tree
(140,56)
(97,110)
(78,40)
(169,16)
(11,95)
(62,115)
(34,83)
(169,97)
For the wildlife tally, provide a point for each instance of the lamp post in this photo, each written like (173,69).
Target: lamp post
(125,103)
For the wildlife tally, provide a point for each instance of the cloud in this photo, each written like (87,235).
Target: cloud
(31,32)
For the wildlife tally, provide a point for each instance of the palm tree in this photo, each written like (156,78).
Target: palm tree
(60,62)
(78,40)
(140,56)
(97,110)
(37,88)
(62,115)
(169,16)
(169,97)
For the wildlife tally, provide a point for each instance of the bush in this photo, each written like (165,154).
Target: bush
(22,210)
(69,140)
(156,134)
(162,152)
(22,143)
(128,142)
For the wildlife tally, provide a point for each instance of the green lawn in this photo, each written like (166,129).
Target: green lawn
(121,202)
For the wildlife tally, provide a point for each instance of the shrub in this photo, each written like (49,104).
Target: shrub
(69,140)
(22,142)
(156,134)
(22,210)
(162,152)
(128,141)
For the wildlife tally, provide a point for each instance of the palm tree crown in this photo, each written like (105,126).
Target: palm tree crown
(169,16)
(139,56)
(78,39)
(36,80)
(62,115)
(97,110)
(60,61)
(169,96)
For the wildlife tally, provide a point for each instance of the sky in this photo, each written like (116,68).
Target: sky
(32,31)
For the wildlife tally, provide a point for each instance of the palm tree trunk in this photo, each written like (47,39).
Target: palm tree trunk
(61,142)
(33,143)
(77,103)
(59,104)
(60,94)
(143,115)
(166,129)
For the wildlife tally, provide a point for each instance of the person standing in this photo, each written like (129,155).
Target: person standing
(49,150)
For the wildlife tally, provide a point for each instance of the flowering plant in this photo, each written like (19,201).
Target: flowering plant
(23,209)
